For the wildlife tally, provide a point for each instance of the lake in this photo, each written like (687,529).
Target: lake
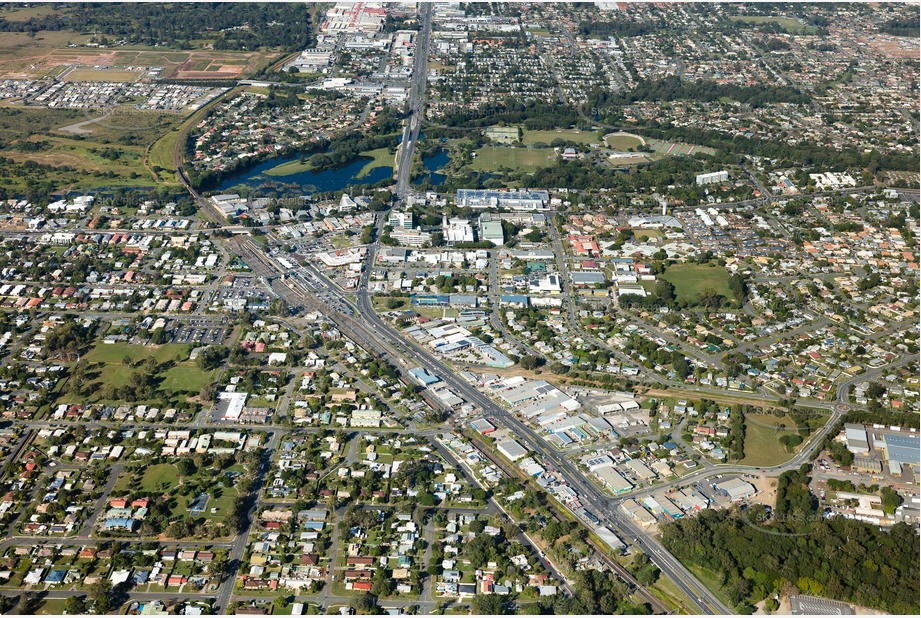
(335,179)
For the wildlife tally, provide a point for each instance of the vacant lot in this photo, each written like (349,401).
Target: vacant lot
(22,58)
(115,353)
(762,439)
(494,159)
(691,279)
(570,135)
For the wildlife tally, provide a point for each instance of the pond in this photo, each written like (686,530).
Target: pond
(432,164)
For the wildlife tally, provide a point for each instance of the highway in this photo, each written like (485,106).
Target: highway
(416,102)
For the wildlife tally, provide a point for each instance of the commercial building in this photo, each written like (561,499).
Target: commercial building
(613,480)
(513,200)
(585,278)
(401,220)
(492,231)
(457,230)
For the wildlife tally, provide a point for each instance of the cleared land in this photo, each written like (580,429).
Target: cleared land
(109,151)
(21,58)
(691,279)
(570,135)
(493,159)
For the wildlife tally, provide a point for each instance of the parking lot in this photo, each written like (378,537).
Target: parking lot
(199,332)
(814,606)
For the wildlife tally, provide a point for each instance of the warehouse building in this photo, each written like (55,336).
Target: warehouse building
(512,450)
(736,489)
(855,437)
(613,480)
(901,449)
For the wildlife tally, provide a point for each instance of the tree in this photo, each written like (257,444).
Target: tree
(74,605)
(212,357)
(367,604)
(186,467)
(665,292)
(530,361)
(491,604)
(875,390)
(891,500)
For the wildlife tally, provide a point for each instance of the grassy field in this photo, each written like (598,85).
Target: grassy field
(123,132)
(51,607)
(160,157)
(181,376)
(789,24)
(762,438)
(112,354)
(186,377)
(493,159)
(101,75)
(570,135)
(161,477)
(26,13)
(691,279)
(623,141)
(643,233)
(380,157)
(711,580)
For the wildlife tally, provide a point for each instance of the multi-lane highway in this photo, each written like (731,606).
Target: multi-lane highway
(416,101)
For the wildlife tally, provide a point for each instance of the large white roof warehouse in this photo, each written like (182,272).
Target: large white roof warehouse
(512,450)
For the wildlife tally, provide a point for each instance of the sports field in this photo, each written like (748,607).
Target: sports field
(493,159)
(570,135)
(623,141)
(661,147)
(101,75)
(691,279)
